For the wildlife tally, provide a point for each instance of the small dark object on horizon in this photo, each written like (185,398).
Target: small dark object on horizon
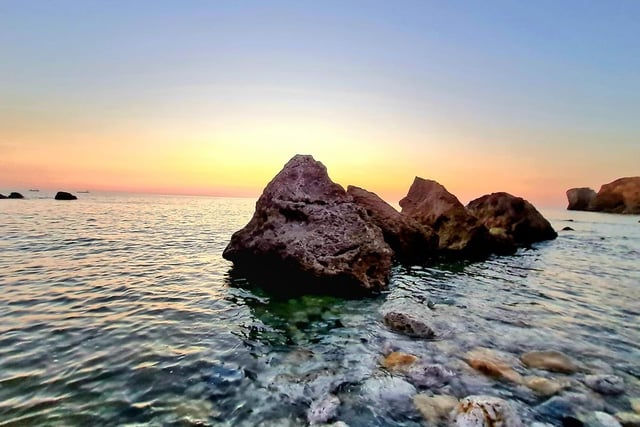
(567,229)
(15,195)
(63,195)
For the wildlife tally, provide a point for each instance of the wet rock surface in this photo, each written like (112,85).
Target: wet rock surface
(620,196)
(459,232)
(580,199)
(605,384)
(489,411)
(305,227)
(15,195)
(63,195)
(323,410)
(549,360)
(408,324)
(519,219)
(435,409)
(411,241)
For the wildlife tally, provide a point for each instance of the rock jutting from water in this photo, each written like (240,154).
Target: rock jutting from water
(459,232)
(620,196)
(411,241)
(513,216)
(307,227)
(63,195)
(15,195)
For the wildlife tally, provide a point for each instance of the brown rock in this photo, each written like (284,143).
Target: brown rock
(519,219)
(620,196)
(544,386)
(492,364)
(549,360)
(459,232)
(399,361)
(485,411)
(580,199)
(435,409)
(409,240)
(306,228)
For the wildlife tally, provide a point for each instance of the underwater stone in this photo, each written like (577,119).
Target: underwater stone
(605,384)
(486,411)
(323,410)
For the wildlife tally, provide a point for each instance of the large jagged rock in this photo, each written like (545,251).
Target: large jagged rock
(307,232)
(410,241)
(63,195)
(519,219)
(620,196)
(580,199)
(459,232)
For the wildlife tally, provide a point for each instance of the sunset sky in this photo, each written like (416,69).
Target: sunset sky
(213,97)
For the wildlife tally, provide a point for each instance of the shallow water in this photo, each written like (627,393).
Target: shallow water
(119,310)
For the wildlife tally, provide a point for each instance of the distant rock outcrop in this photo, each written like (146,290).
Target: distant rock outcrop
(580,199)
(409,240)
(459,232)
(308,228)
(15,195)
(519,219)
(2,196)
(621,196)
(63,195)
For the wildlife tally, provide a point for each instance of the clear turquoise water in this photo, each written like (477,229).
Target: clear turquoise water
(119,310)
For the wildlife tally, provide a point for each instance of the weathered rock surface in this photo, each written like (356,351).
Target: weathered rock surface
(408,324)
(520,219)
(605,383)
(323,410)
(409,240)
(580,199)
(485,411)
(619,196)
(307,227)
(63,195)
(628,419)
(549,360)
(459,232)
(15,195)
(428,375)
(435,409)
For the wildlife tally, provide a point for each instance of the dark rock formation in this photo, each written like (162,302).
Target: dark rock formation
(408,324)
(620,196)
(567,229)
(459,232)
(518,218)
(15,195)
(580,199)
(63,195)
(410,241)
(307,233)
(2,196)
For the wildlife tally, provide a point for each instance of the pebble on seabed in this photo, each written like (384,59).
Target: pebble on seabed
(323,410)
(435,409)
(549,360)
(485,411)
(605,384)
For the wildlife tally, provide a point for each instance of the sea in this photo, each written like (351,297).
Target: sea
(119,310)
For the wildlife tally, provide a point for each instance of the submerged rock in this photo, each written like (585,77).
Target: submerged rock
(14,195)
(398,361)
(635,404)
(459,232)
(628,419)
(549,360)
(569,405)
(605,384)
(435,409)
(601,419)
(409,240)
(580,199)
(619,196)
(63,195)
(520,219)
(323,410)
(408,324)
(428,375)
(493,364)
(485,411)
(307,228)
(544,386)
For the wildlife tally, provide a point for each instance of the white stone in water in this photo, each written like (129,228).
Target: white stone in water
(485,411)
(323,410)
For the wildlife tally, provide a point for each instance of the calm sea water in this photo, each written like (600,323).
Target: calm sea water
(119,310)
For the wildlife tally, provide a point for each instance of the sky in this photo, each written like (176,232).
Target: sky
(213,97)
